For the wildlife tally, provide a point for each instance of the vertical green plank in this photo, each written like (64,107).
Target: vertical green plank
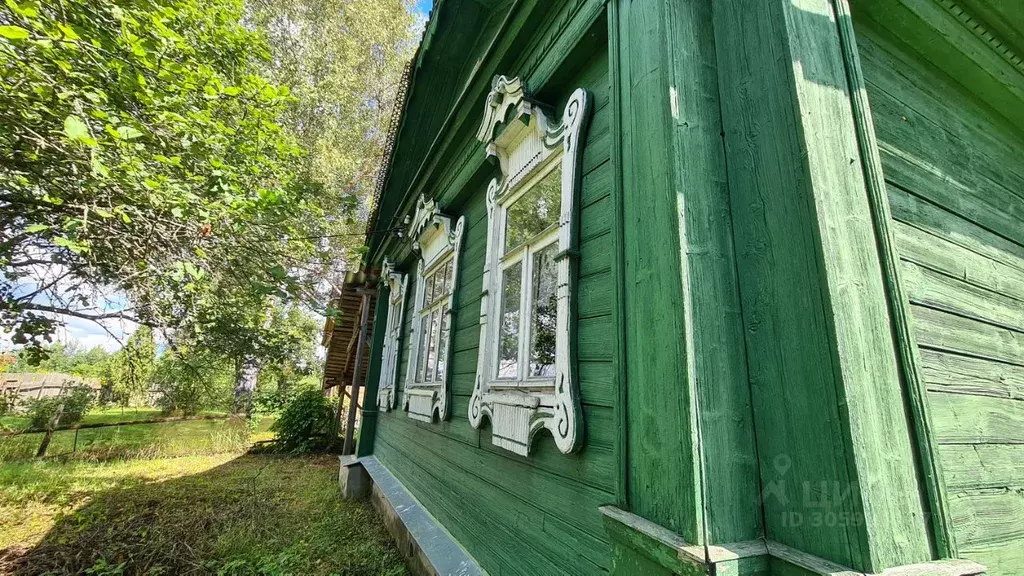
(834,440)
(368,426)
(618,260)
(663,478)
(715,322)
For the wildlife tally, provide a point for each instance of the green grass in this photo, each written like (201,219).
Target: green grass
(166,439)
(105,416)
(212,514)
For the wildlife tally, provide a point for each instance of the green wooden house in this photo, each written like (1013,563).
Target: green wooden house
(704,287)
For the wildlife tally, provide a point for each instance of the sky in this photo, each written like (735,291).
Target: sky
(422,6)
(109,335)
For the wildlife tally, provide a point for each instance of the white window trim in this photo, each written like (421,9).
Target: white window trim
(435,240)
(527,148)
(398,285)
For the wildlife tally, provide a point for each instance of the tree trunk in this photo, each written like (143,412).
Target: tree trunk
(245,384)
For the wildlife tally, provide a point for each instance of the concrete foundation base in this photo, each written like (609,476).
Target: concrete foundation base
(352,479)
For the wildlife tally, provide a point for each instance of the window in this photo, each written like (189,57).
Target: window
(438,244)
(525,379)
(526,336)
(434,323)
(397,284)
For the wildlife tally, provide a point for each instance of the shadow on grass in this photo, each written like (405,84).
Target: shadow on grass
(256,514)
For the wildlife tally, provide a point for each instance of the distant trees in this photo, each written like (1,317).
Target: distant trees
(71,359)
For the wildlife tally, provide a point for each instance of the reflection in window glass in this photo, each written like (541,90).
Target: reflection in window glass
(442,344)
(432,347)
(437,287)
(421,357)
(544,314)
(508,335)
(535,211)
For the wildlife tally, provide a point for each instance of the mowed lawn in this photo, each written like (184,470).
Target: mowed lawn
(179,497)
(206,514)
(179,438)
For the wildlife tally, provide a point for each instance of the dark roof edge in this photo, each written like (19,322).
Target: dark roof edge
(398,120)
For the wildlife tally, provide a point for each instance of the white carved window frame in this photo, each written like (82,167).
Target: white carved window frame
(437,241)
(527,146)
(398,284)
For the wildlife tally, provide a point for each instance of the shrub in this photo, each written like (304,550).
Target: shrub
(8,402)
(72,404)
(306,424)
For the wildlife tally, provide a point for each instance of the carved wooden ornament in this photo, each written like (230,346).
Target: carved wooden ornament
(526,144)
(397,284)
(437,241)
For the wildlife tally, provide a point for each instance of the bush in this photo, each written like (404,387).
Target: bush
(72,404)
(8,402)
(306,424)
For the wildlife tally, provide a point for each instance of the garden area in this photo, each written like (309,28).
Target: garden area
(213,494)
(218,513)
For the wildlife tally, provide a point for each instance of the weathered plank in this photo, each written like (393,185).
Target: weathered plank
(963,419)
(928,91)
(935,290)
(1005,557)
(915,211)
(988,517)
(940,254)
(968,467)
(944,331)
(955,373)
(461,503)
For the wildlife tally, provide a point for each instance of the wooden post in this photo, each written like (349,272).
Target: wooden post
(368,425)
(350,424)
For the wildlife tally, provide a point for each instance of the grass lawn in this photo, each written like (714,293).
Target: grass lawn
(164,439)
(209,514)
(106,416)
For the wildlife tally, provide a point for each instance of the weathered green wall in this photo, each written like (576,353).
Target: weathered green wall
(515,515)
(954,170)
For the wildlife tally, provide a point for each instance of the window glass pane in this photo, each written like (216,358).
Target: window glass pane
(421,357)
(443,273)
(543,316)
(435,286)
(534,211)
(432,347)
(508,334)
(448,274)
(428,291)
(442,344)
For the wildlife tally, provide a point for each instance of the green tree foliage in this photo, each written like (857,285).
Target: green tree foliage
(71,359)
(207,163)
(345,90)
(140,151)
(190,379)
(129,371)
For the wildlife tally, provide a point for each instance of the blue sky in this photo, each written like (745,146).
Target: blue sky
(423,6)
